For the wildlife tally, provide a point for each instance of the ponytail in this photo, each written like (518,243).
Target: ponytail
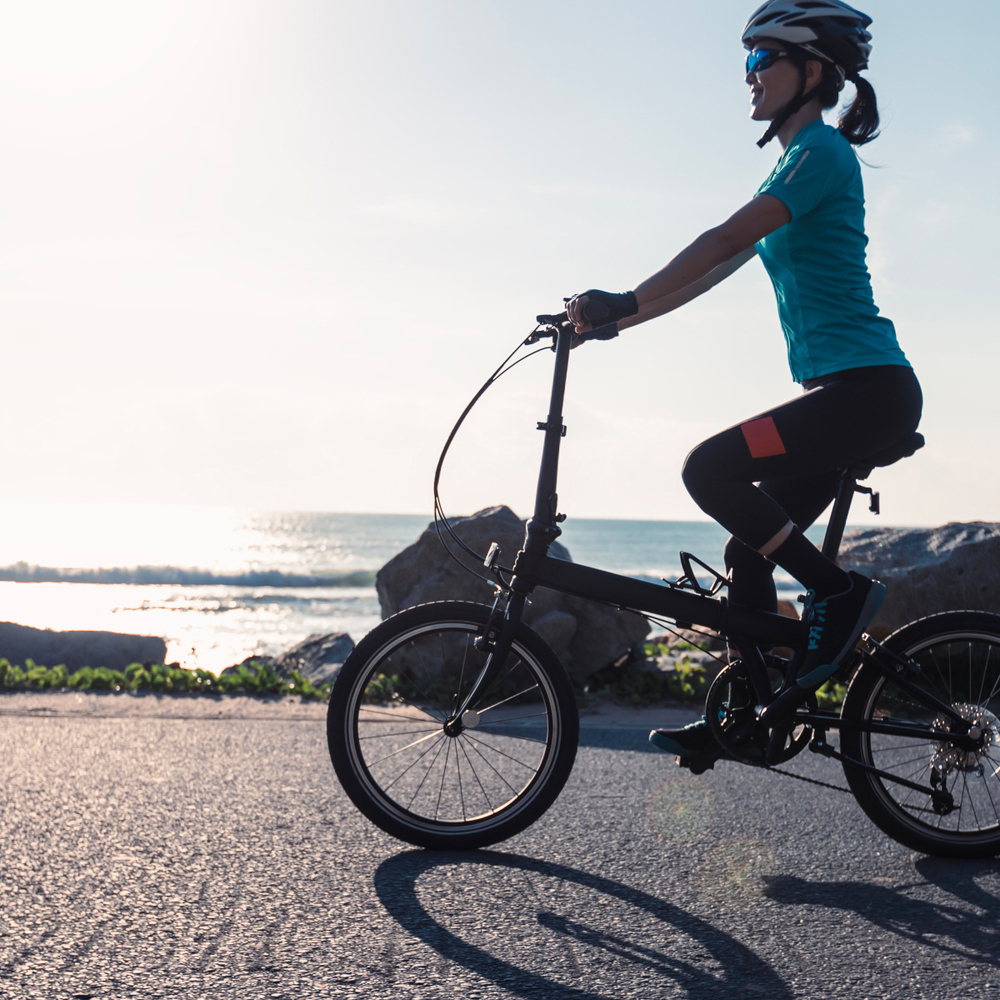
(859,123)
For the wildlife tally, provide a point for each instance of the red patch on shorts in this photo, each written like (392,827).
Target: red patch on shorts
(762,438)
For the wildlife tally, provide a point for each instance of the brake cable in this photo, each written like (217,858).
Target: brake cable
(440,518)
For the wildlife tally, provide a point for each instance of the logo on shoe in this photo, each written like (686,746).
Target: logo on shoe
(816,630)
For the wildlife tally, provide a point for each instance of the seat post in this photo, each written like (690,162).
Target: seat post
(838,516)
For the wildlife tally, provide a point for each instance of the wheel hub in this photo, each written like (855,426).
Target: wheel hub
(984,727)
(469,719)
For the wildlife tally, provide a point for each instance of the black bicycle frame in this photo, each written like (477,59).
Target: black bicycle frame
(744,627)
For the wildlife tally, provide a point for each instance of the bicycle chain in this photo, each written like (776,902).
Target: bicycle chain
(811,781)
(775,770)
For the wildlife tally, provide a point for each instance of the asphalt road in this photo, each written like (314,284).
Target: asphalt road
(147,856)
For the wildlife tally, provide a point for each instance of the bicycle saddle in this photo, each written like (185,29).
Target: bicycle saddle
(901,449)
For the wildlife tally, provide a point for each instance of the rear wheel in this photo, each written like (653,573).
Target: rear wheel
(958,656)
(458,786)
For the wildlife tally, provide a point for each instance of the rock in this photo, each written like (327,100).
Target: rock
(318,658)
(557,628)
(115,650)
(584,635)
(927,570)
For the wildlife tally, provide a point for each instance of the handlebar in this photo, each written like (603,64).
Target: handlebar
(554,322)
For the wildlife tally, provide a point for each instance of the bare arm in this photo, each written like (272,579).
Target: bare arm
(708,257)
(667,303)
(716,246)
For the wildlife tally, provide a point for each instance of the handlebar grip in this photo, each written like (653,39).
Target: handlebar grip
(593,312)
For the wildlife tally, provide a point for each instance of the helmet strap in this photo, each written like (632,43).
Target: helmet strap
(793,105)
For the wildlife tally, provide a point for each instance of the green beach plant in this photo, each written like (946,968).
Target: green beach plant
(254,678)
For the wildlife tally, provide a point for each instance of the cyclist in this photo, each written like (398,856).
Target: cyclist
(806,223)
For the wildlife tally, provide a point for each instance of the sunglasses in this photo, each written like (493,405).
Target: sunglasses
(763,58)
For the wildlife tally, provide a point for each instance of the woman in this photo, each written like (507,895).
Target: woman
(806,223)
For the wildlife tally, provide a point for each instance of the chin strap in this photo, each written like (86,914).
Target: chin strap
(794,105)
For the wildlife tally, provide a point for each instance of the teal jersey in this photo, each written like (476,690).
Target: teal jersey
(817,261)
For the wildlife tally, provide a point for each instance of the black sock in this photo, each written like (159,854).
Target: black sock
(809,566)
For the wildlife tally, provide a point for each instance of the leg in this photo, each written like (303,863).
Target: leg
(795,452)
(826,429)
(803,500)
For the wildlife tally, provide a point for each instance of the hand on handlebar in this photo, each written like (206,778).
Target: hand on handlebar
(596,308)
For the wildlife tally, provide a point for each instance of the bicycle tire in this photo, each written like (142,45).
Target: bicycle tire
(958,653)
(398,765)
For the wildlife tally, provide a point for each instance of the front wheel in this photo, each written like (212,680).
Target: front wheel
(957,655)
(462,785)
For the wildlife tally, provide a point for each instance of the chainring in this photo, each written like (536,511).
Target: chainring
(731,713)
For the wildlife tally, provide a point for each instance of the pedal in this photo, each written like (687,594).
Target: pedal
(704,761)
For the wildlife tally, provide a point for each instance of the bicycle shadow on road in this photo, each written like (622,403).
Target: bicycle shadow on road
(972,931)
(728,970)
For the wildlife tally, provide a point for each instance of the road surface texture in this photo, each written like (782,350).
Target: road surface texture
(158,847)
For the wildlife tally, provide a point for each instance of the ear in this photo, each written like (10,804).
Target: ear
(814,73)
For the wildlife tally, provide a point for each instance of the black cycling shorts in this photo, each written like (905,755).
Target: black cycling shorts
(796,452)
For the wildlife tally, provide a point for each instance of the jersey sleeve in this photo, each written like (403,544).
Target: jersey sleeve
(811,174)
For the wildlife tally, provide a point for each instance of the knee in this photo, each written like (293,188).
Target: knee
(697,472)
(740,558)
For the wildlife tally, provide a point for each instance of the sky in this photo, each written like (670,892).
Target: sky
(261,254)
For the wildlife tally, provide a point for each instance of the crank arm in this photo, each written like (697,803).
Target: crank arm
(944,798)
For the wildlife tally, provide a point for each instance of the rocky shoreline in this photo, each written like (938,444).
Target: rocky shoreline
(927,570)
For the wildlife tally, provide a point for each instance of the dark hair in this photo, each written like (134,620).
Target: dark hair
(859,123)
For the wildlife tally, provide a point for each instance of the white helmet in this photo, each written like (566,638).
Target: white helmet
(828,29)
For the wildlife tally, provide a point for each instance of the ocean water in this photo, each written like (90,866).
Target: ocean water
(220,585)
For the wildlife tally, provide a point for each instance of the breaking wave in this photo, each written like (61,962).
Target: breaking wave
(178,577)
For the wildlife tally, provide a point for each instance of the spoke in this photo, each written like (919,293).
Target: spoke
(996,687)
(970,670)
(430,767)
(409,746)
(910,775)
(444,772)
(494,770)
(909,760)
(461,789)
(909,792)
(533,687)
(516,718)
(982,682)
(490,746)
(405,732)
(396,717)
(461,673)
(514,736)
(409,766)
(420,690)
(972,802)
(475,774)
(902,746)
(986,670)
(992,760)
(945,689)
(989,795)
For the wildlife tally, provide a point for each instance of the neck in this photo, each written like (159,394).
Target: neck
(810,113)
